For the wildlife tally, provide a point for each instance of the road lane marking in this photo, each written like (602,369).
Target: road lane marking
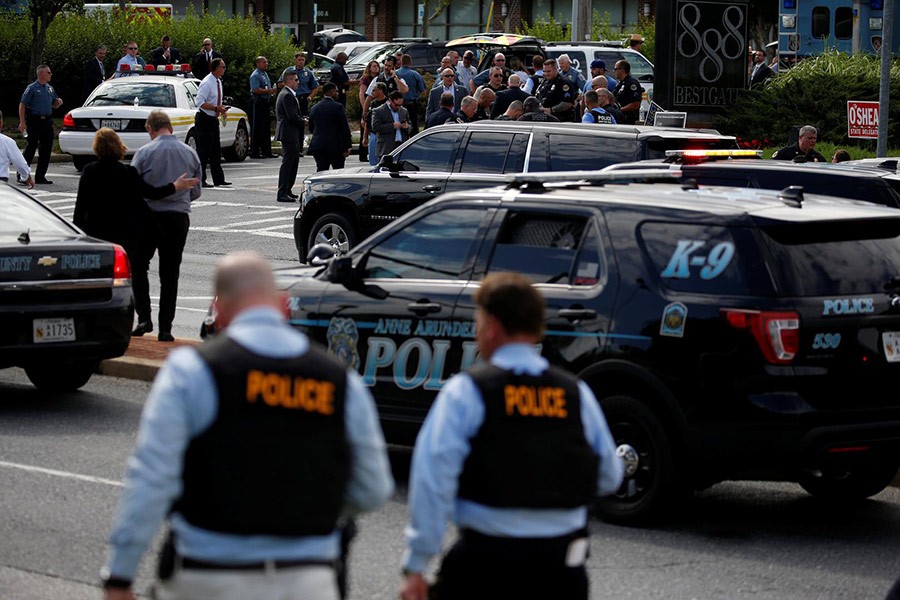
(263,232)
(55,473)
(254,222)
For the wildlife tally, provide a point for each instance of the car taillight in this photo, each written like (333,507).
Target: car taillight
(121,268)
(68,121)
(776,333)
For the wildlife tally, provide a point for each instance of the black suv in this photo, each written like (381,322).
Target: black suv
(343,207)
(728,334)
(426,55)
(855,182)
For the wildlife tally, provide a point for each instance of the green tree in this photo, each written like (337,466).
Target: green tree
(41,13)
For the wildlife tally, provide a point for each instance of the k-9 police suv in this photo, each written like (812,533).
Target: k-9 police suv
(728,333)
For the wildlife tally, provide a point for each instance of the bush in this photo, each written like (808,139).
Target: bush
(72,38)
(551,30)
(814,92)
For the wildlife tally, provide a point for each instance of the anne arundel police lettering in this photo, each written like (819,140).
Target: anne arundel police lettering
(710,53)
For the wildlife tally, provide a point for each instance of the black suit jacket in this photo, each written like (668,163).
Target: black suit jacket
(438,117)
(329,127)
(110,203)
(505,98)
(93,76)
(199,66)
(156,58)
(763,73)
(289,119)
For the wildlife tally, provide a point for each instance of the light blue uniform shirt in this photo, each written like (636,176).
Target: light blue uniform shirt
(414,81)
(444,444)
(181,405)
(38,98)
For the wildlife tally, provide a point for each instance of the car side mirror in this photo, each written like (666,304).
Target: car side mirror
(648,78)
(341,270)
(320,254)
(387,162)
(228,100)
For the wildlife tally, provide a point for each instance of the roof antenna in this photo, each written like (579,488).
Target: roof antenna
(25,238)
(689,184)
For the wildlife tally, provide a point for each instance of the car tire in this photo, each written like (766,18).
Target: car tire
(241,147)
(647,452)
(335,230)
(80,162)
(857,481)
(191,140)
(61,377)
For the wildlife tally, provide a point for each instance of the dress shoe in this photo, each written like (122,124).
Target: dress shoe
(288,199)
(206,184)
(43,181)
(293,195)
(165,336)
(142,328)
(223,183)
(301,155)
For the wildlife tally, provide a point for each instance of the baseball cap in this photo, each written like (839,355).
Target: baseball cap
(598,64)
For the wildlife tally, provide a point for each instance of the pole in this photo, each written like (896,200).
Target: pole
(884,92)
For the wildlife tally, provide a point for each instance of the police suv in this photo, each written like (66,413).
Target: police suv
(728,333)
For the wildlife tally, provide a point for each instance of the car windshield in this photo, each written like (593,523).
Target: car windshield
(22,214)
(123,94)
(378,53)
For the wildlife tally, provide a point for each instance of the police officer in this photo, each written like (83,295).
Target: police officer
(36,121)
(805,148)
(514,451)
(306,89)
(261,92)
(556,93)
(628,93)
(253,444)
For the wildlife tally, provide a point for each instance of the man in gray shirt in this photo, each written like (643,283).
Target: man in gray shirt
(159,162)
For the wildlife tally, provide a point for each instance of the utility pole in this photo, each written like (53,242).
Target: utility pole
(581,20)
(884,92)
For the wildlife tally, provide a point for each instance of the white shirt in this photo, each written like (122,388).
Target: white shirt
(10,153)
(130,60)
(210,93)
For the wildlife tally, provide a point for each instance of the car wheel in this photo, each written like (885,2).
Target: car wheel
(241,148)
(646,451)
(190,140)
(856,481)
(61,377)
(80,162)
(334,230)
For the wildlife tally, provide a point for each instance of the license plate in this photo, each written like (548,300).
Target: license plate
(54,330)
(114,124)
(890,341)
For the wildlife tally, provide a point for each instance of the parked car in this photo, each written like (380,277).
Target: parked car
(426,55)
(65,298)
(343,207)
(727,333)
(584,53)
(519,50)
(325,40)
(352,49)
(123,104)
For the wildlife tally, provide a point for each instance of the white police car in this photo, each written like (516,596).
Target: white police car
(122,104)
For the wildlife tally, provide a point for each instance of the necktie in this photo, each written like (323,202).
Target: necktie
(102,70)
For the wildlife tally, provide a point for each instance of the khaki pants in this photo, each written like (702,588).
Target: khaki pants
(314,582)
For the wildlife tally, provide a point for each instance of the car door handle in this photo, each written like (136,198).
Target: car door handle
(432,188)
(423,308)
(577,314)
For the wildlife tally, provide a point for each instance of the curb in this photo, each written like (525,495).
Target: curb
(130,367)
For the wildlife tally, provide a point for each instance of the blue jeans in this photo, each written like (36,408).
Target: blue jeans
(373,158)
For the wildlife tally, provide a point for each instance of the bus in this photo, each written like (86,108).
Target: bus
(808,27)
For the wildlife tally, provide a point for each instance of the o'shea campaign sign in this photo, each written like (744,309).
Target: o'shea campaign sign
(862,119)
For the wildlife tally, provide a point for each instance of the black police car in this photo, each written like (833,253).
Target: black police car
(342,207)
(65,298)
(727,333)
(865,182)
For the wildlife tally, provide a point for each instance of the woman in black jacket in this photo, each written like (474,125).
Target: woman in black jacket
(110,203)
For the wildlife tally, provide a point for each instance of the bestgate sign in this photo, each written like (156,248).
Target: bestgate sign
(862,119)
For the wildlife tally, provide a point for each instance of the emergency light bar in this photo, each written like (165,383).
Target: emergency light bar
(579,178)
(700,154)
(161,70)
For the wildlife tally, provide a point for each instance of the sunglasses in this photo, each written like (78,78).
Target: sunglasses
(499,60)
(446,76)
(497,76)
(132,48)
(207,44)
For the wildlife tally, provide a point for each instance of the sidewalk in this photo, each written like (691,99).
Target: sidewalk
(144,357)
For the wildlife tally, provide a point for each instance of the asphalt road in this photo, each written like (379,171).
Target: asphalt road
(62,459)
(244,216)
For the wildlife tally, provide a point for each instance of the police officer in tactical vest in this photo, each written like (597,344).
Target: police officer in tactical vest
(514,451)
(255,444)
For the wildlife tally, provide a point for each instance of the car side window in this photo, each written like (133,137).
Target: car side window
(570,152)
(560,249)
(641,69)
(429,153)
(486,152)
(191,88)
(434,247)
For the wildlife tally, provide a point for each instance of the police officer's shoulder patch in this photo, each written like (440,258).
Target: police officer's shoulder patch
(565,88)
(633,87)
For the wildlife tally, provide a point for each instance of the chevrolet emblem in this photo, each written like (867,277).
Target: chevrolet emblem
(47,261)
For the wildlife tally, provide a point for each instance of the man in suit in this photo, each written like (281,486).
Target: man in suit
(441,116)
(507,96)
(390,122)
(448,86)
(287,130)
(331,141)
(94,71)
(203,59)
(165,54)
(761,70)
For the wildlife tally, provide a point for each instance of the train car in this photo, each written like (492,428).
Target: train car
(808,27)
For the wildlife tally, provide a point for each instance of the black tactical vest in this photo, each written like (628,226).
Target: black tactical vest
(530,452)
(275,460)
